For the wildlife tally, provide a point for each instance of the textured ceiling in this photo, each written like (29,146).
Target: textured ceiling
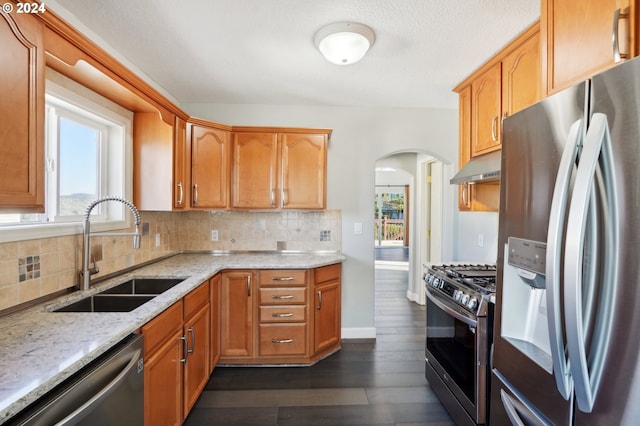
(262,51)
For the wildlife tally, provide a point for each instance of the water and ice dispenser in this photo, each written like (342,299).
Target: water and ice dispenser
(524,301)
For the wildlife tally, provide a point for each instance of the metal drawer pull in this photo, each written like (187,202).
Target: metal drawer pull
(282,279)
(288,296)
(281,340)
(287,315)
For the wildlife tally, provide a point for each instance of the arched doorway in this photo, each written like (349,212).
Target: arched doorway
(408,216)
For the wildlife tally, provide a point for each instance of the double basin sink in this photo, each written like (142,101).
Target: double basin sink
(124,297)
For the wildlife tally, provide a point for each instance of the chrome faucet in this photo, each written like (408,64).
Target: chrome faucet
(86,234)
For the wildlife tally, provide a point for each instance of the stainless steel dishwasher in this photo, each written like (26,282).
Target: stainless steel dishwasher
(107,392)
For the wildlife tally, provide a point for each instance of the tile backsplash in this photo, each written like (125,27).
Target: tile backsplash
(33,268)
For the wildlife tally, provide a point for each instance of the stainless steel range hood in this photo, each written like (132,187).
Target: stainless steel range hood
(485,168)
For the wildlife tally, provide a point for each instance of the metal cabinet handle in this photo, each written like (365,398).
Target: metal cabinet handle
(195,194)
(287,315)
(184,349)
(248,285)
(272,199)
(617,56)
(282,279)
(465,194)
(181,192)
(494,131)
(280,297)
(319,293)
(192,332)
(281,340)
(284,201)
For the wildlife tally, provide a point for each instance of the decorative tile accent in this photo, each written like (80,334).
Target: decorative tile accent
(28,268)
(325,235)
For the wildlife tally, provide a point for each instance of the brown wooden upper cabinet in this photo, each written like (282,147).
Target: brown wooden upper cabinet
(209,166)
(279,170)
(161,163)
(507,83)
(585,37)
(22,111)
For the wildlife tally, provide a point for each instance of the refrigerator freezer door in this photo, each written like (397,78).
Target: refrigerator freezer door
(533,143)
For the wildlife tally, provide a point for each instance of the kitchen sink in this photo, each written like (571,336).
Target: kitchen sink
(153,286)
(107,303)
(124,297)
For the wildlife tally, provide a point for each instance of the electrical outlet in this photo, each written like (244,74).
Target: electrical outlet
(157,240)
(214,235)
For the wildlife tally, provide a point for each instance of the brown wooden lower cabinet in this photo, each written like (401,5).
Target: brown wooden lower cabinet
(279,316)
(177,356)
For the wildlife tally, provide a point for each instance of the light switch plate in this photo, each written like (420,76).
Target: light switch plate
(357,228)
(214,235)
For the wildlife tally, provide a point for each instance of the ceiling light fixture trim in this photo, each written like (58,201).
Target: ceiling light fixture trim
(344,43)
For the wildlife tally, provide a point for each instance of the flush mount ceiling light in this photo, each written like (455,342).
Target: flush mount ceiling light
(344,43)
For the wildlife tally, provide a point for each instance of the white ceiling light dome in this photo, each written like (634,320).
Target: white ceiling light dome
(344,43)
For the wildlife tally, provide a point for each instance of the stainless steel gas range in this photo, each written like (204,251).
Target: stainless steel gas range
(460,305)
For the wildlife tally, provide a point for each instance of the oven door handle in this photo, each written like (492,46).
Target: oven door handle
(445,306)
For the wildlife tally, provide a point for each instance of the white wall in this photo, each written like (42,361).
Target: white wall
(360,137)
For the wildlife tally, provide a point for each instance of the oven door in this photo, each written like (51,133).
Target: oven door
(457,352)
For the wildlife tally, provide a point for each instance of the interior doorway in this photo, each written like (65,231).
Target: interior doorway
(408,206)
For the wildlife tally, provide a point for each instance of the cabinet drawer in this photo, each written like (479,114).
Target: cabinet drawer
(196,299)
(283,339)
(293,313)
(283,296)
(282,277)
(327,273)
(162,327)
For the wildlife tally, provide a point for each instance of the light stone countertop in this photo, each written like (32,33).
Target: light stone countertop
(39,349)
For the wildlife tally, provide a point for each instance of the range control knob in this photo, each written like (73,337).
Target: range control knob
(472,303)
(457,294)
(435,282)
(464,299)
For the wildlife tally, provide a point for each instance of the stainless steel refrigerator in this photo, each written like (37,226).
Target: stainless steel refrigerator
(567,328)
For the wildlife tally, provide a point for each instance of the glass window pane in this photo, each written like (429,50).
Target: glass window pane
(78,166)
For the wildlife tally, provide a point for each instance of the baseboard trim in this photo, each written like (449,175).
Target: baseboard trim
(359,333)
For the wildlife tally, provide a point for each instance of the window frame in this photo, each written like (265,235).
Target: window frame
(119,180)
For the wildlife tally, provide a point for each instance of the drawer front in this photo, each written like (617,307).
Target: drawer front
(283,339)
(328,273)
(196,299)
(282,277)
(293,313)
(162,327)
(283,296)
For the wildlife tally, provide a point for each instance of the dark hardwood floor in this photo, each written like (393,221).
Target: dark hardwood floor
(368,382)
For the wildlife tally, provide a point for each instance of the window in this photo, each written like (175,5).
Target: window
(87,157)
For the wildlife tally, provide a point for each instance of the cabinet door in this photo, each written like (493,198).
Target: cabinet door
(254,170)
(22,111)
(181,166)
(486,111)
(196,368)
(327,315)
(215,321)
(236,314)
(521,71)
(209,167)
(304,171)
(163,383)
(464,154)
(579,38)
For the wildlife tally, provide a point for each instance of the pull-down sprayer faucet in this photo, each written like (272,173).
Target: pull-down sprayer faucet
(86,235)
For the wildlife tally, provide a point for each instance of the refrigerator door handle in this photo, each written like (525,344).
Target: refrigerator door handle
(587,368)
(553,258)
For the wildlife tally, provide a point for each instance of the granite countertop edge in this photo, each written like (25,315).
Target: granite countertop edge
(39,348)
